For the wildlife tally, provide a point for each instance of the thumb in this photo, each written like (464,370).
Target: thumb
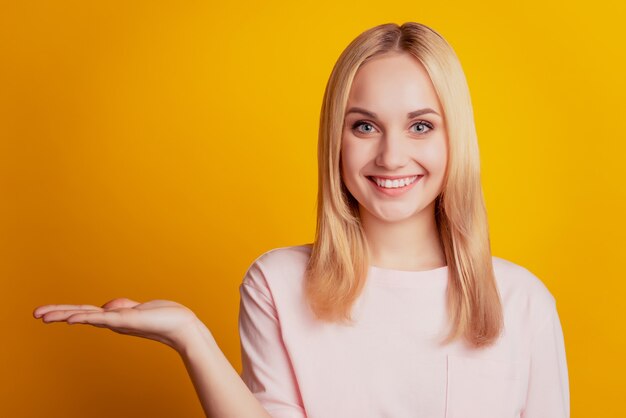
(120,303)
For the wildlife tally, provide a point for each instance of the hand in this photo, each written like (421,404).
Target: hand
(160,320)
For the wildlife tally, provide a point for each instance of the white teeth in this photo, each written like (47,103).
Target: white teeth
(394,184)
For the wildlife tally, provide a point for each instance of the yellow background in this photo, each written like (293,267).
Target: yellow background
(154,149)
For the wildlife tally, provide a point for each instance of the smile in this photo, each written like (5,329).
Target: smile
(394,187)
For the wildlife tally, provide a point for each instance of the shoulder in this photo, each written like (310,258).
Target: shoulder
(523,290)
(289,259)
(518,278)
(277,264)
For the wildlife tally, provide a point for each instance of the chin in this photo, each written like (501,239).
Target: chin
(395,219)
(394,216)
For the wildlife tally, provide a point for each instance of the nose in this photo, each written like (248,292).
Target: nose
(392,152)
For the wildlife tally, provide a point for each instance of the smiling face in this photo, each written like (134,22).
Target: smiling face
(394,142)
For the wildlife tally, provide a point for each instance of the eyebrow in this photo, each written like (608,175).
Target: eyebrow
(409,115)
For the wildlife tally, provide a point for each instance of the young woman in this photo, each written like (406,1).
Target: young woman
(397,309)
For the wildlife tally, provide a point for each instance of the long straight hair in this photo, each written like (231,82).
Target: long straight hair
(339,262)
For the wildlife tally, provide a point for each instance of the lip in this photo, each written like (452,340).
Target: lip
(395,177)
(398,190)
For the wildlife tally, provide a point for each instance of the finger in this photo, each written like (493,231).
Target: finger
(62,315)
(120,303)
(104,318)
(42,310)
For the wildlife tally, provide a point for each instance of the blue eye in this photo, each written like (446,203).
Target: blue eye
(359,123)
(423,123)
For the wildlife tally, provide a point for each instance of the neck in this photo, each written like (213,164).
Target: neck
(411,244)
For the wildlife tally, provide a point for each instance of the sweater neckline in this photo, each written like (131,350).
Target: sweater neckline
(408,278)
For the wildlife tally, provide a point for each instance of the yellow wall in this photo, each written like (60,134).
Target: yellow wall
(154,149)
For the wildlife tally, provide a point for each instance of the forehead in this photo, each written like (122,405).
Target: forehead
(391,83)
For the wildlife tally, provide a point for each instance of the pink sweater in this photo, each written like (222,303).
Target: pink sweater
(388,364)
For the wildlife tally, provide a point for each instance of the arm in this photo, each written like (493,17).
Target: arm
(548,385)
(221,391)
(267,368)
(267,386)
(219,387)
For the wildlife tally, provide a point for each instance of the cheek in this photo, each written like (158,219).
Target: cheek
(352,163)
(435,157)
(349,159)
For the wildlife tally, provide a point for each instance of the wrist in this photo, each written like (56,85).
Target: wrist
(194,335)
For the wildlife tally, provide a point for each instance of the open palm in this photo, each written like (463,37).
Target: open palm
(160,320)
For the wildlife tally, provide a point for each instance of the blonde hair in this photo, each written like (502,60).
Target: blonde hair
(339,262)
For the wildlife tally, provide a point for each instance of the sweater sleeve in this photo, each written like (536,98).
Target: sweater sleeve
(548,386)
(266,367)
